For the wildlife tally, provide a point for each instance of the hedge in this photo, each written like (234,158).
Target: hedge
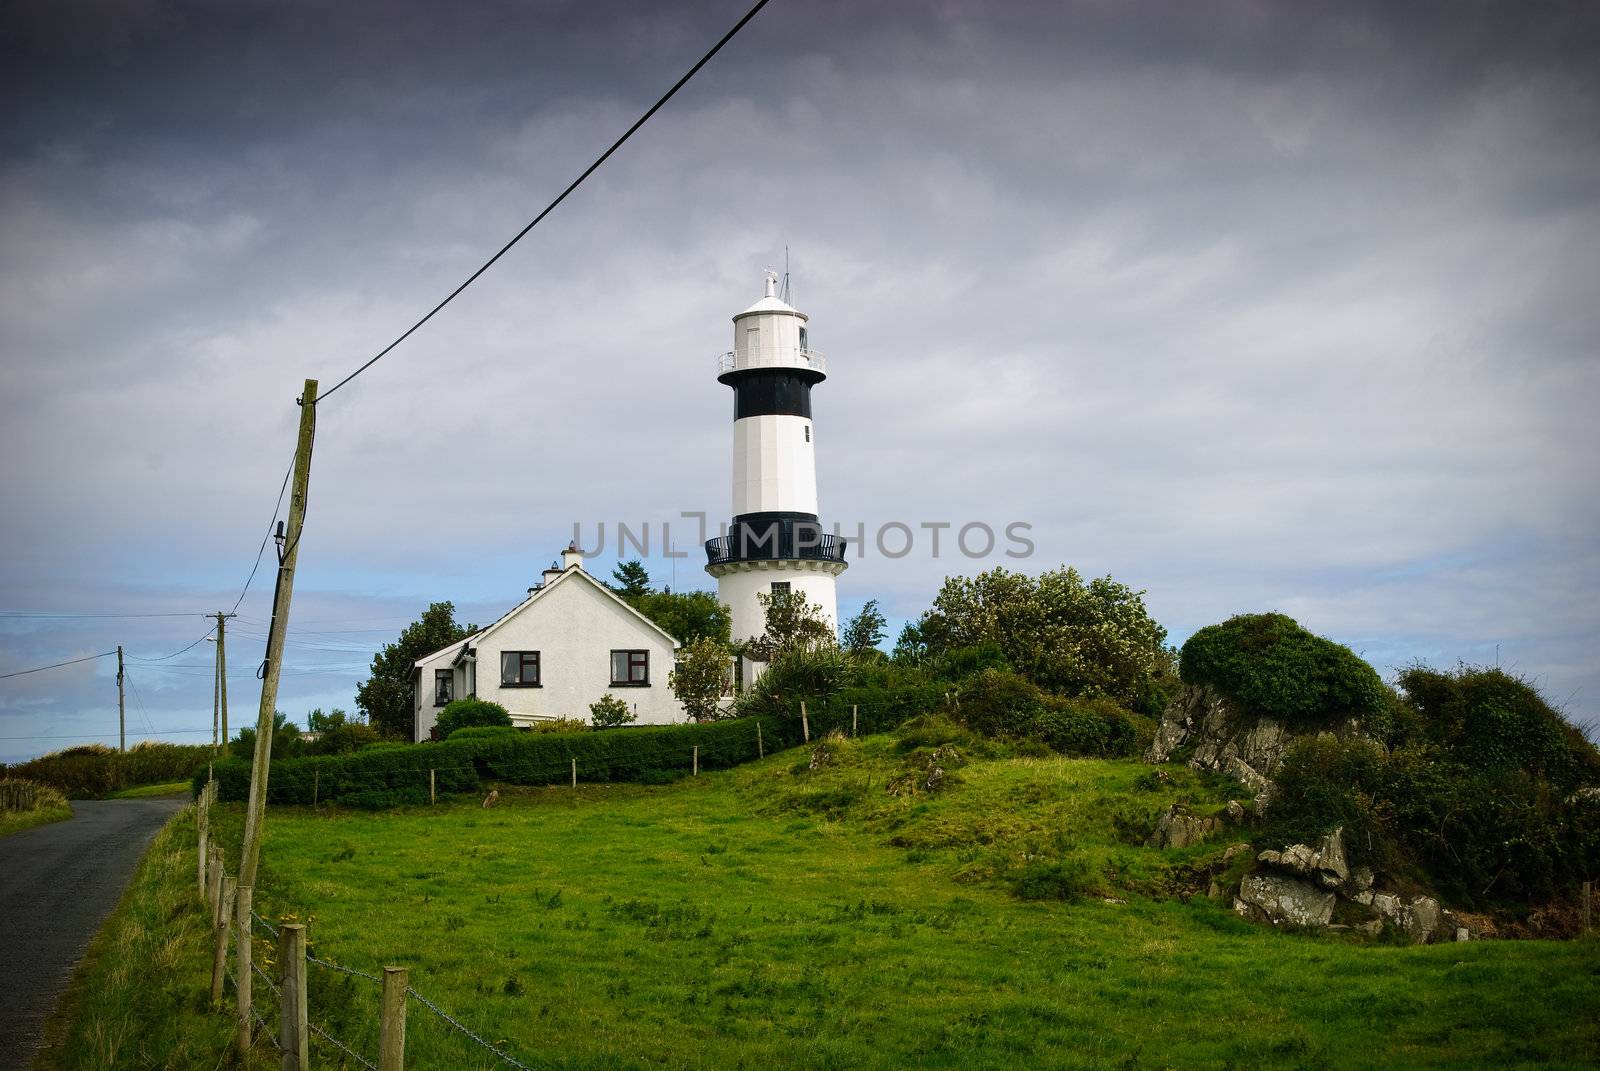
(383,777)
(83,773)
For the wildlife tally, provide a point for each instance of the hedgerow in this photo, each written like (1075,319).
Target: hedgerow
(1270,665)
(94,770)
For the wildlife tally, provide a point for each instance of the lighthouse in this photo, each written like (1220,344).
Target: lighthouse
(775,541)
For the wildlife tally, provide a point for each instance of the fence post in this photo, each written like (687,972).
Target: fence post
(761,751)
(854,720)
(1588,902)
(219,933)
(433,788)
(243,948)
(697,760)
(201,821)
(805,726)
(392,1024)
(214,881)
(316,787)
(574,773)
(292,1036)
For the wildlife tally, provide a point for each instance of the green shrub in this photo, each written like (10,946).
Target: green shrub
(561,725)
(1270,665)
(809,673)
(480,732)
(342,738)
(469,713)
(609,712)
(94,770)
(998,702)
(286,740)
(1094,727)
(1062,880)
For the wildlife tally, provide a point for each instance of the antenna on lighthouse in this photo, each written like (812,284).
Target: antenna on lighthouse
(784,293)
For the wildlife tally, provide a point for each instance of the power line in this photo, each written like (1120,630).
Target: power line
(263,547)
(80,736)
(90,614)
(58,665)
(175,654)
(591,169)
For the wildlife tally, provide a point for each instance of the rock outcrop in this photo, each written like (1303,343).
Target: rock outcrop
(1279,899)
(1177,828)
(1216,736)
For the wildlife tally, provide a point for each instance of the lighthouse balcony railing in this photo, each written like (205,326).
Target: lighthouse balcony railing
(727,362)
(781,544)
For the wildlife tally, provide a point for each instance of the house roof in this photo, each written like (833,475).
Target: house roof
(539,593)
(431,655)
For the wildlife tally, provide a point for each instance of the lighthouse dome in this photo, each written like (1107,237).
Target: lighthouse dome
(771,334)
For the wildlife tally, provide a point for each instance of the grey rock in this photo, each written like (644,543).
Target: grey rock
(1270,857)
(1236,812)
(1362,879)
(1389,907)
(1177,828)
(1298,859)
(1362,896)
(1278,899)
(1463,934)
(1233,852)
(1371,928)
(1420,919)
(1332,871)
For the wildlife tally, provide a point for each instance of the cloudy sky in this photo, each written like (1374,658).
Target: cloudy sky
(1252,306)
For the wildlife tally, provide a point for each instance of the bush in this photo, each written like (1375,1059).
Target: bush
(286,740)
(809,673)
(342,738)
(998,702)
(461,764)
(480,732)
(94,770)
(1063,880)
(1094,727)
(18,795)
(561,725)
(1271,666)
(609,712)
(467,713)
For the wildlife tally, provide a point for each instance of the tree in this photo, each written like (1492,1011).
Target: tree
(469,713)
(685,615)
(1070,637)
(698,679)
(631,579)
(386,697)
(793,623)
(609,712)
(863,632)
(286,741)
(319,722)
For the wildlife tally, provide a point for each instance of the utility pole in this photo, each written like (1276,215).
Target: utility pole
(288,553)
(122,718)
(219,699)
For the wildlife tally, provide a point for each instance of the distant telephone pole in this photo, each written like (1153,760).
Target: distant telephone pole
(122,720)
(288,554)
(219,697)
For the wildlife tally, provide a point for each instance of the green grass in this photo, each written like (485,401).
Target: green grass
(140,997)
(16,821)
(774,916)
(138,792)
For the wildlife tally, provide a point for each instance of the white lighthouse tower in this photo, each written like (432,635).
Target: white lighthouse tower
(775,542)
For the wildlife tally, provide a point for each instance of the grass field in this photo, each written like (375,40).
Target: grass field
(16,821)
(172,788)
(776,916)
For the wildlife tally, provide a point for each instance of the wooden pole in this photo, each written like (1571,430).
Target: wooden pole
(222,673)
(1588,901)
(293,1036)
(243,981)
(855,723)
(316,786)
(433,784)
(697,760)
(216,697)
(219,936)
(256,811)
(761,751)
(214,881)
(805,726)
(202,822)
(392,1024)
(122,720)
(574,773)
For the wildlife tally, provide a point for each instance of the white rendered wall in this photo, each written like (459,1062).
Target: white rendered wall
(424,714)
(774,466)
(574,627)
(738,588)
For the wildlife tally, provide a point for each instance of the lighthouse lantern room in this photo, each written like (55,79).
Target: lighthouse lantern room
(775,541)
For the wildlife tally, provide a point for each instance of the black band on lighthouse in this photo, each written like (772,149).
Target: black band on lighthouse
(771,392)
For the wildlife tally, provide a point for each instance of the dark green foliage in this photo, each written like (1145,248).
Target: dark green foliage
(463,764)
(342,738)
(963,662)
(629,579)
(286,740)
(1063,880)
(609,712)
(863,632)
(480,732)
(997,702)
(87,772)
(817,674)
(685,615)
(386,696)
(1000,703)
(471,713)
(1094,727)
(1272,666)
(1492,720)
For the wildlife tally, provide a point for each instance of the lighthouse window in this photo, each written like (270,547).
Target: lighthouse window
(803,344)
(780,587)
(808,433)
(630,669)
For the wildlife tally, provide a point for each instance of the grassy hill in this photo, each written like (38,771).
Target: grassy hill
(782,916)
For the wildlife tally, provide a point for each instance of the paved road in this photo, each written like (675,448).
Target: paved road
(57,885)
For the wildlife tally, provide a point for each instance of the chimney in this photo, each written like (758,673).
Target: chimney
(572,557)
(548,575)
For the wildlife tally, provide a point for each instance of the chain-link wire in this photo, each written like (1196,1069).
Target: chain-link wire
(343,970)
(447,1017)
(265,977)
(342,1047)
(264,924)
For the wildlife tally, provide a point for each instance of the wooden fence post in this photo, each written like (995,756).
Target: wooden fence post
(219,933)
(805,726)
(761,751)
(202,848)
(316,787)
(697,760)
(214,881)
(1588,903)
(392,1024)
(574,773)
(292,1035)
(855,723)
(243,950)
(433,788)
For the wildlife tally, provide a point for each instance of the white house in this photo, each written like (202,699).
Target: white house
(571,641)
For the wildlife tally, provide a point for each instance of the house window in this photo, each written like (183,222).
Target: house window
(630,669)
(519,669)
(780,587)
(444,686)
